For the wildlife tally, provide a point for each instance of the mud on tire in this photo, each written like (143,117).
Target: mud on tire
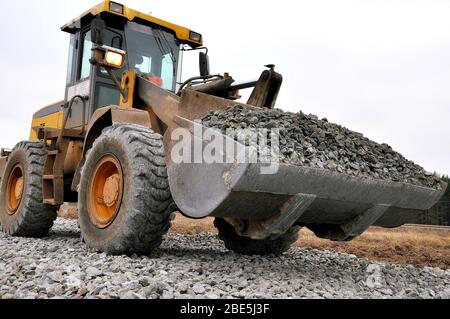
(144,214)
(26,215)
(247,246)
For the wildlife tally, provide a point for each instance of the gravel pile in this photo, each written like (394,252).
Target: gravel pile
(199,267)
(307,141)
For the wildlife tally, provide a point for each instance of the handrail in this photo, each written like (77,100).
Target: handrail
(68,106)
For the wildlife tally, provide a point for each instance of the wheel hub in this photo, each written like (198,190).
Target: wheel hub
(19,189)
(105,192)
(111,190)
(14,190)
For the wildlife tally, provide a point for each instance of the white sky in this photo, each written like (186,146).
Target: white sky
(379,67)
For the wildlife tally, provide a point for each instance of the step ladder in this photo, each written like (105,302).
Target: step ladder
(53,178)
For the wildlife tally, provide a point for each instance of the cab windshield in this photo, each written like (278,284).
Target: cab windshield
(153,54)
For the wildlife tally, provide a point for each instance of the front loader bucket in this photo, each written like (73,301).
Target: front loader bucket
(333,205)
(306,196)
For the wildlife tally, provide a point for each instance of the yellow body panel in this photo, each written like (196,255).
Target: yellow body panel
(52,121)
(182,33)
(47,106)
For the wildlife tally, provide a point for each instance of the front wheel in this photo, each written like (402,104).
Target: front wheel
(247,246)
(125,205)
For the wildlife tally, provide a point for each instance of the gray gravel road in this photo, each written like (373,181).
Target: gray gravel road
(199,267)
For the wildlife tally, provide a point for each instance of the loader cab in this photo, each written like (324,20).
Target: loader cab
(152,47)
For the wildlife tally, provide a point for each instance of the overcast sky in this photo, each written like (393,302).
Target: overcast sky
(378,67)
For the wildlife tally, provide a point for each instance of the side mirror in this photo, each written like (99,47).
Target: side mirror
(204,64)
(98,27)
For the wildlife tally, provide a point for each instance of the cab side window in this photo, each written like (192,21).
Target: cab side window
(168,68)
(70,61)
(85,71)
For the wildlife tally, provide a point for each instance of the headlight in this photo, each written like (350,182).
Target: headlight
(196,37)
(116,7)
(108,57)
(114,59)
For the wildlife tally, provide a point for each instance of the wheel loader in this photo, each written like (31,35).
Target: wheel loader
(107,146)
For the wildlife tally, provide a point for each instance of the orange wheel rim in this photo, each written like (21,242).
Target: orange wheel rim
(14,190)
(105,193)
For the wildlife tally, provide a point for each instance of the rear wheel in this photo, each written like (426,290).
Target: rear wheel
(247,246)
(22,212)
(125,205)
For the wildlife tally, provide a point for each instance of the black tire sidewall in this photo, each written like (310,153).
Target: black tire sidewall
(247,246)
(143,218)
(9,222)
(102,237)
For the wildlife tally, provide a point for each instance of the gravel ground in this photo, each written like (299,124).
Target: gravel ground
(199,267)
(307,141)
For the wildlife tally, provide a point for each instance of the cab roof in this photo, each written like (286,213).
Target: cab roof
(183,34)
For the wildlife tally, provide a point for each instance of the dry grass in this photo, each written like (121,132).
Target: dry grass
(404,245)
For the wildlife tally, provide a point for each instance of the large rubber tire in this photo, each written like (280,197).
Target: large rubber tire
(247,246)
(32,218)
(145,211)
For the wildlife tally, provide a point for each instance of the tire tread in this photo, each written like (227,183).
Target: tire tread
(34,218)
(247,246)
(149,218)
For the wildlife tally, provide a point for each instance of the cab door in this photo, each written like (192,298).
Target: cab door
(79,81)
